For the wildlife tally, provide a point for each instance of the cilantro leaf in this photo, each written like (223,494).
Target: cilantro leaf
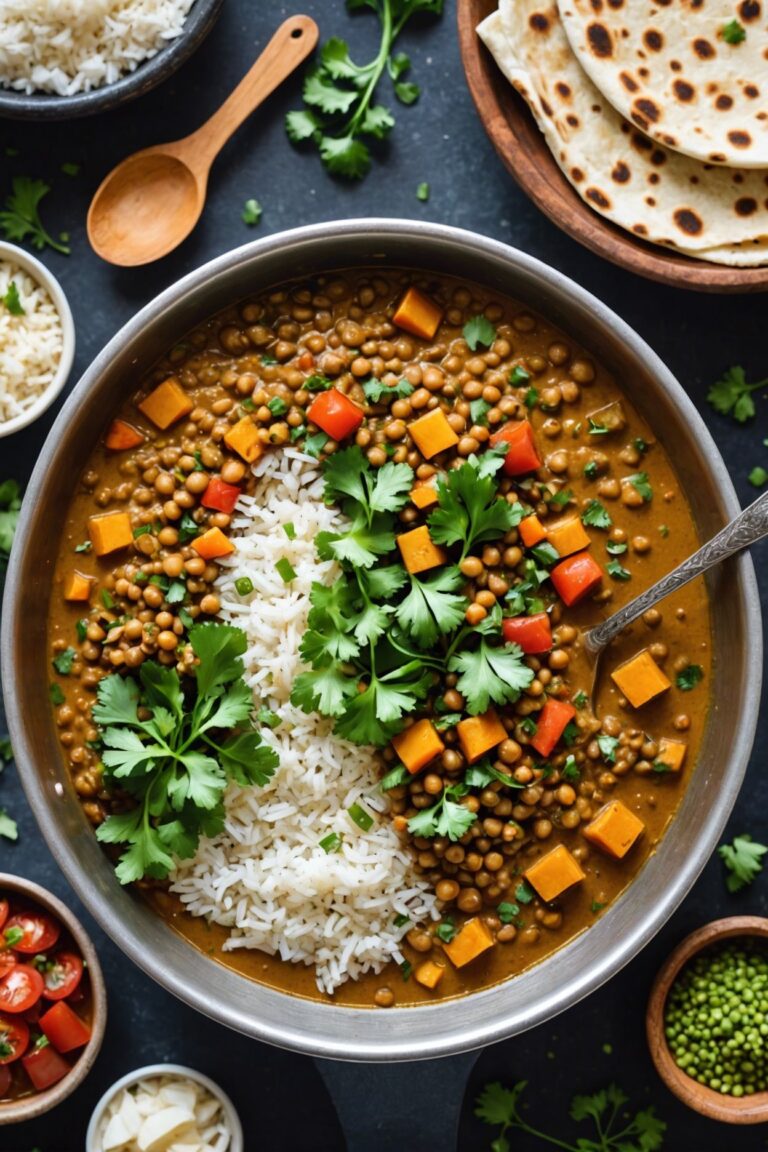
(617,572)
(448,817)
(326,689)
(375,391)
(10,503)
(345,156)
(608,745)
(758,477)
(12,300)
(470,511)
(20,217)
(478,330)
(689,677)
(9,829)
(432,608)
(251,213)
(301,125)
(731,394)
(743,860)
(641,485)
(488,673)
(595,515)
(733,32)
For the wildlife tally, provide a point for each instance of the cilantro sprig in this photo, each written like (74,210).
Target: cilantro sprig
(743,860)
(340,114)
(175,764)
(731,395)
(470,512)
(20,217)
(616,1130)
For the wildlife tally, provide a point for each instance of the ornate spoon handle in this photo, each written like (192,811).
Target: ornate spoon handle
(748,527)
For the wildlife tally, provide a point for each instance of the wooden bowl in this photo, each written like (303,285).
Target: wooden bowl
(715,1105)
(518,141)
(13,1112)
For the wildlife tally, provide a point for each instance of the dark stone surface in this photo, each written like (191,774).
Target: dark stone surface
(280,1096)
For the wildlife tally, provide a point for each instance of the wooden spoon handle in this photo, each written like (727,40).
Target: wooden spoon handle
(291,44)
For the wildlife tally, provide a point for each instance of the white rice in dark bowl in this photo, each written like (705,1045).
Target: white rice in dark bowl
(69,46)
(267,878)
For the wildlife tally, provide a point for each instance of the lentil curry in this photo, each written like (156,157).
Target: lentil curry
(558,806)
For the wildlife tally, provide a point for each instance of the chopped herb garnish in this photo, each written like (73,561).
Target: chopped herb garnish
(596,906)
(20,218)
(268,360)
(267,717)
(317,383)
(743,860)
(661,768)
(571,733)
(448,817)
(663,530)
(518,376)
(570,770)
(56,694)
(394,778)
(608,745)
(448,720)
(590,470)
(85,546)
(758,477)
(561,498)
(406,968)
(478,411)
(507,912)
(732,395)
(529,726)
(595,515)
(285,570)
(359,816)
(290,530)
(580,700)
(313,445)
(69,168)
(544,554)
(331,843)
(9,829)
(733,32)
(479,330)
(244,585)
(639,481)
(277,406)
(248,405)
(617,572)
(251,213)
(375,391)
(640,445)
(596,428)
(64,661)
(615,549)
(446,930)
(107,599)
(523,893)
(13,936)
(689,677)
(12,300)
(422,191)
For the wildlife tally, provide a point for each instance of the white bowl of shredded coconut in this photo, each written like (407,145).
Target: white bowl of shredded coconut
(37,339)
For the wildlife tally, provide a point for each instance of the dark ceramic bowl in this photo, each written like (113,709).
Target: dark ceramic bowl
(44,106)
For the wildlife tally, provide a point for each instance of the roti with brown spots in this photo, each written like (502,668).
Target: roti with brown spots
(712,213)
(692,74)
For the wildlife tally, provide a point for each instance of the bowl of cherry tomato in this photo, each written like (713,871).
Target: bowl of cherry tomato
(53,1005)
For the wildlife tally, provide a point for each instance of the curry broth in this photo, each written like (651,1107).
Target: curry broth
(684,628)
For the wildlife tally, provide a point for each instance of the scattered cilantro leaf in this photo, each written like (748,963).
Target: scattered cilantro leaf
(590,470)
(733,32)
(478,411)
(689,677)
(608,745)
(12,300)
(641,485)
(758,477)
(731,395)
(518,376)
(596,515)
(375,391)
(617,572)
(490,673)
(10,503)
(448,817)
(422,191)
(251,213)
(20,218)
(596,428)
(479,330)
(743,860)
(63,661)
(433,607)
(9,829)
(470,511)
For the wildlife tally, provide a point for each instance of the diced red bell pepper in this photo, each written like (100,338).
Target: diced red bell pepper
(64,1028)
(335,414)
(532,633)
(576,577)
(551,722)
(220,496)
(44,1067)
(521,455)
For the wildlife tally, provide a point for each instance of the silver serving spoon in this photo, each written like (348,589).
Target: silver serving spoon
(747,528)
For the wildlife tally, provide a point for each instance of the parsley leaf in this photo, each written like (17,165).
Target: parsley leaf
(595,515)
(478,330)
(689,677)
(731,394)
(20,218)
(175,764)
(12,301)
(744,861)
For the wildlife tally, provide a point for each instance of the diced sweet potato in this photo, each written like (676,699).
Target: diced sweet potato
(432,433)
(554,873)
(568,536)
(109,532)
(417,745)
(213,544)
(167,404)
(424,496)
(243,438)
(672,753)
(418,551)
(469,942)
(78,587)
(640,679)
(611,416)
(478,734)
(122,436)
(418,314)
(429,974)
(615,829)
(532,531)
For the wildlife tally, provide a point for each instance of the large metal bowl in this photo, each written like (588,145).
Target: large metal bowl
(584,963)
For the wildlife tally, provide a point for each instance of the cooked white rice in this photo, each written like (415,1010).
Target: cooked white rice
(69,46)
(30,345)
(266,878)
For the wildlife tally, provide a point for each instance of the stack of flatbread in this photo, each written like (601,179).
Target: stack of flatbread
(657,113)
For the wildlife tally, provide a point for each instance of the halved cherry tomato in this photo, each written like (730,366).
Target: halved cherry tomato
(64,1028)
(5,1080)
(20,988)
(14,1039)
(8,960)
(220,496)
(62,975)
(3,912)
(44,1066)
(335,414)
(40,931)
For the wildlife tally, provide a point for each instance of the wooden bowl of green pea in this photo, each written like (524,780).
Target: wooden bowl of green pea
(707,1020)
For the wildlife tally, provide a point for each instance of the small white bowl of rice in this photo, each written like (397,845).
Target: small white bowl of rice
(37,338)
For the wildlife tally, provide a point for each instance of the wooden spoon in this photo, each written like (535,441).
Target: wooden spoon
(151,201)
